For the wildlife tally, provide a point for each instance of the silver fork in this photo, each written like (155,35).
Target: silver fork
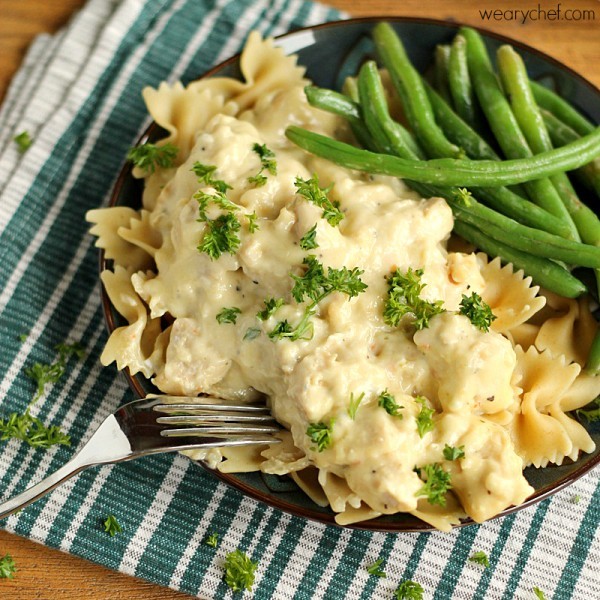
(159,424)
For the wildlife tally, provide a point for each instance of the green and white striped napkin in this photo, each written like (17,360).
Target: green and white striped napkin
(78,95)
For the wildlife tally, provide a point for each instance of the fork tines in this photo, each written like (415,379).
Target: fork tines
(243,422)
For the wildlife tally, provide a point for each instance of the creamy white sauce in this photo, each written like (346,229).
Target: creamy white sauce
(352,351)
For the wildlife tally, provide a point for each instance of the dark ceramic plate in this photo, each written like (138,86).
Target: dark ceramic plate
(325,51)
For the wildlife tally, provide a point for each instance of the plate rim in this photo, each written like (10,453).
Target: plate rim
(328,518)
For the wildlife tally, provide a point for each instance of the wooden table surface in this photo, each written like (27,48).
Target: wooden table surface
(45,574)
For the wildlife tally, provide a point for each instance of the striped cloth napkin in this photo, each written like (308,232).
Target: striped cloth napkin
(78,95)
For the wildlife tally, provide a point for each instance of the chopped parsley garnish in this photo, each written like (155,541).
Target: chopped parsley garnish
(203,172)
(221,236)
(309,189)
(32,431)
(23,141)
(424,420)
(7,567)
(404,298)
(375,569)
(43,373)
(389,404)
(320,434)
(315,285)
(271,306)
(212,540)
(453,453)
(437,483)
(592,414)
(477,311)
(149,157)
(252,224)
(258,180)
(309,240)
(111,525)
(221,233)
(267,163)
(228,315)
(252,333)
(539,593)
(354,403)
(409,590)
(239,571)
(23,337)
(480,558)
(576,499)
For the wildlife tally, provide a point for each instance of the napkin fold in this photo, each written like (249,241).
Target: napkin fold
(78,94)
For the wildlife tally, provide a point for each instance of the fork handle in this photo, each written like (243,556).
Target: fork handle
(107,445)
(40,489)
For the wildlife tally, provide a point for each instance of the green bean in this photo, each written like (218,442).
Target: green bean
(450,171)
(339,105)
(333,102)
(561,109)
(502,199)
(527,239)
(440,72)
(407,82)
(381,126)
(561,134)
(544,272)
(516,82)
(377,116)
(351,88)
(505,126)
(512,205)
(592,364)
(459,82)
(457,130)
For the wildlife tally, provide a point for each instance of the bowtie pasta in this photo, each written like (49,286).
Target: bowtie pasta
(255,268)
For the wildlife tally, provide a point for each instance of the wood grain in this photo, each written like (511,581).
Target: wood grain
(45,574)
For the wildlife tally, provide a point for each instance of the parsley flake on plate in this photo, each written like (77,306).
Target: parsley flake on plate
(212,540)
(149,157)
(271,306)
(539,593)
(315,285)
(404,298)
(267,162)
(424,418)
(437,483)
(591,415)
(453,453)
(309,240)
(310,190)
(354,403)
(239,571)
(321,434)
(228,315)
(389,404)
(252,223)
(477,311)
